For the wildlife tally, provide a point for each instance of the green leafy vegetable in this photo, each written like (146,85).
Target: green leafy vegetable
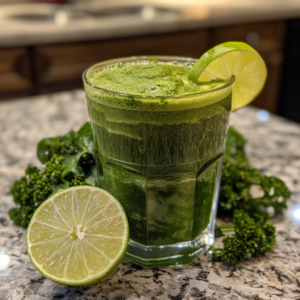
(237,179)
(252,236)
(66,144)
(69,161)
(22,215)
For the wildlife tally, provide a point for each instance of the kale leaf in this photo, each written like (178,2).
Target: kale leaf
(250,239)
(238,178)
(252,236)
(69,161)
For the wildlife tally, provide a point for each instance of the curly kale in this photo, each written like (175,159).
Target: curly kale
(22,215)
(63,169)
(237,179)
(54,169)
(78,180)
(71,143)
(62,145)
(250,239)
(86,161)
(252,236)
(34,188)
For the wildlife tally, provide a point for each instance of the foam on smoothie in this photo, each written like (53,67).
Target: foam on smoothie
(150,79)
(152,85)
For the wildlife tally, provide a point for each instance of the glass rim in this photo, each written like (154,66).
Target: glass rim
(149,58)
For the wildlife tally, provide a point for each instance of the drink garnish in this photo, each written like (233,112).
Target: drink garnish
(233,59)
(78,236)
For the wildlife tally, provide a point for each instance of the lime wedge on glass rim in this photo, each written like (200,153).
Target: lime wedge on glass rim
(233,58)
(78,236)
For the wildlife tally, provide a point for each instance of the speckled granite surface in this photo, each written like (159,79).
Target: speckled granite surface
(273,147)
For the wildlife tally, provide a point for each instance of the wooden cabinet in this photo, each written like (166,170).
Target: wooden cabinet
(50,68)
(15,71)
(268,39)
(64,63)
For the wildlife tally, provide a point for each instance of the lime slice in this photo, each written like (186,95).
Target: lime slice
(78,236)
(233,58)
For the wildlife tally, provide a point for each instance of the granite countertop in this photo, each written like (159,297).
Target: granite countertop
(273,148)
(35,24)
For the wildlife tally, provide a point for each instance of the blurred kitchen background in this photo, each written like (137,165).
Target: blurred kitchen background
(46,45)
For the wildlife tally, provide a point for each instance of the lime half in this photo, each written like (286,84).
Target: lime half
(78,236)
(233,58)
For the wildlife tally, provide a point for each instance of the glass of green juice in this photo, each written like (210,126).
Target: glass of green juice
(159,143)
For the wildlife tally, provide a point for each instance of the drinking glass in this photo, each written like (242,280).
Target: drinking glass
(161,158)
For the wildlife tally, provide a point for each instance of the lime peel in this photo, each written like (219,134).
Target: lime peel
(78,236)
(228,59)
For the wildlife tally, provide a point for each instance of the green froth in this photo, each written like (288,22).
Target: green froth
(149,79)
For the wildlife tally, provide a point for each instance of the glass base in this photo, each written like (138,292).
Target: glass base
(173,255)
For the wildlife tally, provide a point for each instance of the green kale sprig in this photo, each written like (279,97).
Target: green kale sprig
(250,239)
(68,160)
(237,179)
(34,188)
(249,233)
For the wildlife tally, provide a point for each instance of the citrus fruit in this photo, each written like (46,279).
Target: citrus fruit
(233,58)
(78,236)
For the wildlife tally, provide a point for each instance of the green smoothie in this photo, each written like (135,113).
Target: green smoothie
(159,142)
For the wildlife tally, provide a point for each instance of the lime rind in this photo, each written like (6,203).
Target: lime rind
(91,279)
(233,58)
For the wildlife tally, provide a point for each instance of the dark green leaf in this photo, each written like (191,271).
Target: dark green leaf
(92,177)
(44,147)
(71,169)
(58,187)
(85,130)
